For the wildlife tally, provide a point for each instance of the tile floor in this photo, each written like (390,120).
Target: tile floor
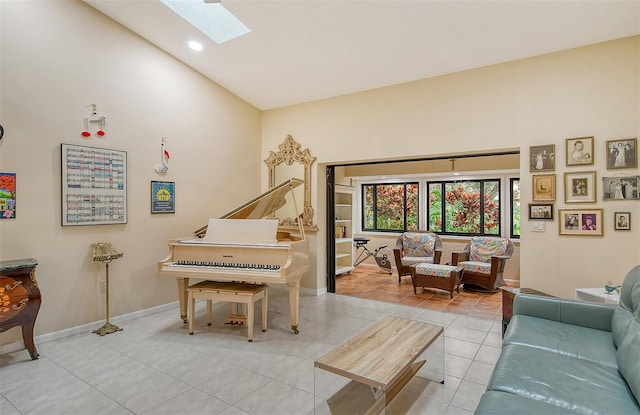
(155,367)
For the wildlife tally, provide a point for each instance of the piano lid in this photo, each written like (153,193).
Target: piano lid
(261,206)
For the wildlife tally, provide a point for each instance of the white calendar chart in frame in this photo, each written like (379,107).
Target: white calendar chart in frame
(94,186)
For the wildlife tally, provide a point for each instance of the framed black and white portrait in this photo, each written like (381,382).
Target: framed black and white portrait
(622,154)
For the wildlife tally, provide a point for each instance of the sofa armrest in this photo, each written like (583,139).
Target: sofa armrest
(579,313)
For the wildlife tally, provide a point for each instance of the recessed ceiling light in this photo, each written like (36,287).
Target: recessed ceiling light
(195,45)
(212,19)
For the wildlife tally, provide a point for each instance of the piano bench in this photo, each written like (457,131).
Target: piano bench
(233,292)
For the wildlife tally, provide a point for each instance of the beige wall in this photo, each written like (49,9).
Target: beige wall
(57,58)
(72,56)
(589,91)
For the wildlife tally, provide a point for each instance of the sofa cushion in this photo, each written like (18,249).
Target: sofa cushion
(476,267)
(418,244)
(414,260)
(553,336)
(573,384)
(501,403)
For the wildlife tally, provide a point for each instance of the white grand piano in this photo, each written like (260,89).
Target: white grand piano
(242,246)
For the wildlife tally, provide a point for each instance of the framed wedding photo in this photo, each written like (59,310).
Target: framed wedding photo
(582,222)
(580,187)
(622,221)
(544,187)
(540,211)
(622,154)
(579,151)
(542,158)
(620,188)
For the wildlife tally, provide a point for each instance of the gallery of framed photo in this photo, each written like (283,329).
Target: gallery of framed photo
(622,154)
(542,158)
(579,151)
(540,211)
(580,187)
(622,221)
(583,222)
(94,186)
(163,197)
(544,187)
(620,188)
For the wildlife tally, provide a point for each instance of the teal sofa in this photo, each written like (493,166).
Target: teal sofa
(564,356)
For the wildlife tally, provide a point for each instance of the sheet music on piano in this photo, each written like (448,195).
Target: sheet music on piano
(239,232)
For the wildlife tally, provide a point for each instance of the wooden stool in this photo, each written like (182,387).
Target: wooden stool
(233,292)
(444,277)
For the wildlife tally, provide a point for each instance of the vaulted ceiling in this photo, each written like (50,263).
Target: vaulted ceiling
(304,50)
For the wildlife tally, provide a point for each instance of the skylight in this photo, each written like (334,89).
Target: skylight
(212,19)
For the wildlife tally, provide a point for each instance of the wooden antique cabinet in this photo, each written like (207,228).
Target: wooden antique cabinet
(19,299)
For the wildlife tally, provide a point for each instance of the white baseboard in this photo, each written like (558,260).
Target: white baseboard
(19,345)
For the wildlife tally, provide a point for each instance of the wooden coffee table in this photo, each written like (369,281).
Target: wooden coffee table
(380,361)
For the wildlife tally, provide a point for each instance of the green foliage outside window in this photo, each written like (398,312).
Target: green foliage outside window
(471,207)
(390,207)
(515,207)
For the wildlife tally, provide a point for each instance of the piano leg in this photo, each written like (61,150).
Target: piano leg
(294,299)
(183,283)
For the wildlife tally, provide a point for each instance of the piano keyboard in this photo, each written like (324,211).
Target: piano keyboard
(225,266)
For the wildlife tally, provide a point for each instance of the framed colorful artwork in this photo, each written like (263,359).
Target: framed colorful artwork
(163,197)
(94,186)
(7,195)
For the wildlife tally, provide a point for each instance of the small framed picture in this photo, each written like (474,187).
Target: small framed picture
(544,187)
(622,154)
(7,195)
(163,197)
(579,151)
(620,188)
(622,221)
(542,158)
(582,222)
(540,211)
(580,187)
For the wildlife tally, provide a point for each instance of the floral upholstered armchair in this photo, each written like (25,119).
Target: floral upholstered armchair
(483,261)
(416,247)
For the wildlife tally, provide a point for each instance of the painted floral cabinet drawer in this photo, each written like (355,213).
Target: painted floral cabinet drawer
(13,298)
(20,299)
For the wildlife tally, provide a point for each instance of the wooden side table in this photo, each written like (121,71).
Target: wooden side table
(20,299)
(508,295)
